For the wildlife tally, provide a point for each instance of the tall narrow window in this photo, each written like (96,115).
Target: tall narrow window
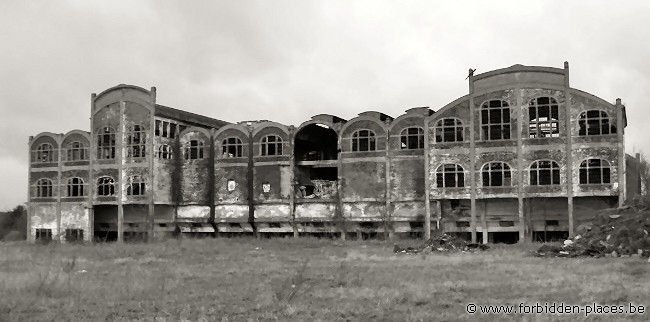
(44,153)
(135,141)
(594,171)
(76,151)
(496,174)
(194,150)
(232,148)
(44,188)
(106,143)
(164,152)
(105,186)
(450,176)
(165,129)
(75,187)
(595,122)
(271,145)
(449,130)
(363,140)
(495,120)
(136,186)
(412,138)
(544,173)
(543,118)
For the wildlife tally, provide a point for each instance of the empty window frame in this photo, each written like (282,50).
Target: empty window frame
(75,187)
(543,118)
(44,153)
(412,138)
(76,151)
(595,171)
(495,120)
(194,150)
(135,141)
(165,129)
(363,140)
(44,188)
(232,148)
(595,122)
(164,151)
(496,174)
(106,143)
(43,235)
(544,173)
(449,130)
(271,145)
(74,235)
(105,186)
(136,186)
(450,176)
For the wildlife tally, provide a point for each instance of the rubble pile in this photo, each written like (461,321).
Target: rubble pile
(442,243)
(613,232)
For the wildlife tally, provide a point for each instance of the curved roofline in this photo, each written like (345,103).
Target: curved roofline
(266,124)
(592,96)
(116,87)
(310,122)
(363,118)
(193,129)
(237,127)
(446,107)
(83,133)
(406,116)
(54,136)
(519,68)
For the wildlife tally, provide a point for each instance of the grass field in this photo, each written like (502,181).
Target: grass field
(304,279)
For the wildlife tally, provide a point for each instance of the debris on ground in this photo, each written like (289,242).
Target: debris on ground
(442,243)
(618,232)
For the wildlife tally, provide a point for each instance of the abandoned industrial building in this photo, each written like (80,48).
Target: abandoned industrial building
(522,156)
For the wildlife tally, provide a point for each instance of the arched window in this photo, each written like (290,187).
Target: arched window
(105,186)
(595,122)
(450,176)
(543,118)
(135,141)
(496,174)
(44,153)
(412,138)
(544,173)
(76,151)
(271,145)
(449,130)
(194,150)
(495,120)
(594,171)
(106,143)
(232,148)
(136,186)
(363,140)
(164,152)
(75,187)
(44,188)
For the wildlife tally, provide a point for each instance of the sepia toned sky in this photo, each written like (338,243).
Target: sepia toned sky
(288,60)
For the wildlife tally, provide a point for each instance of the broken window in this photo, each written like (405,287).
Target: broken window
(106,143)
(363,140)
(194,150)
(74,235)
(496,174)
(164,152)
(594,171)
(105,186)
(495,120)
(412,138)
(76,187)
(544,172)
(543,118)
(271,145)
(595,122)
(231,185)
(76,151)
(44,188)
(450,176)
(449,130)
(136,186)
(43,235)
(232,148)
(165,129)
(44,153)
(135,141)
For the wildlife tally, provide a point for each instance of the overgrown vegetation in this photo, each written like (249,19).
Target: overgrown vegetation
(13,224)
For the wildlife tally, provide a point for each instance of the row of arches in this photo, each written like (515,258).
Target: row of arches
(76,187)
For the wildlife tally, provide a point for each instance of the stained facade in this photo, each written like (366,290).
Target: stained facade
(522,155)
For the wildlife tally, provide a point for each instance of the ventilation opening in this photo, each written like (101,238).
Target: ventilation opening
(416,225)
(504,237)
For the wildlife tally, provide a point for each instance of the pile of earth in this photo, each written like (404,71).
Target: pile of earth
(441,243)
(613,232)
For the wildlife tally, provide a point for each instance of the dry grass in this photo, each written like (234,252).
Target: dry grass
(305,279)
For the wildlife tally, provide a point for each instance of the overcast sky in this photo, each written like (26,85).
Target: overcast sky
(288,60)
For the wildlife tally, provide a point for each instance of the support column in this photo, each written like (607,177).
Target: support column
(28,234)
(569,148)
(387,214)
(520,165)
(339,189)
(250,181)
(150,156)
(120,170)
(622,171)
(92,154)
(292,181)
(59,193)
(472,157)
(427,184)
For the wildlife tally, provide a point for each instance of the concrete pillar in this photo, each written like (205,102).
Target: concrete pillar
(427,183)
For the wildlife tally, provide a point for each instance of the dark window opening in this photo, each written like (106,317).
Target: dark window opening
(274,225)
(495,120)
(552,222)
(271,145)
(595,122)
(363,140)
(135,141)
(43,235)
(75,187)
(232,148)
(194,150)
(76,151)
(164,152)
(105,186)
(44,188)
(412,138)
(106,143)
(44,153)
(462,223)
(316,142)
(136,186)
(496,174)
(595,171)
(449,130)
(74,235)
(450,176)
(543,118)
(165,129)
(544,172)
